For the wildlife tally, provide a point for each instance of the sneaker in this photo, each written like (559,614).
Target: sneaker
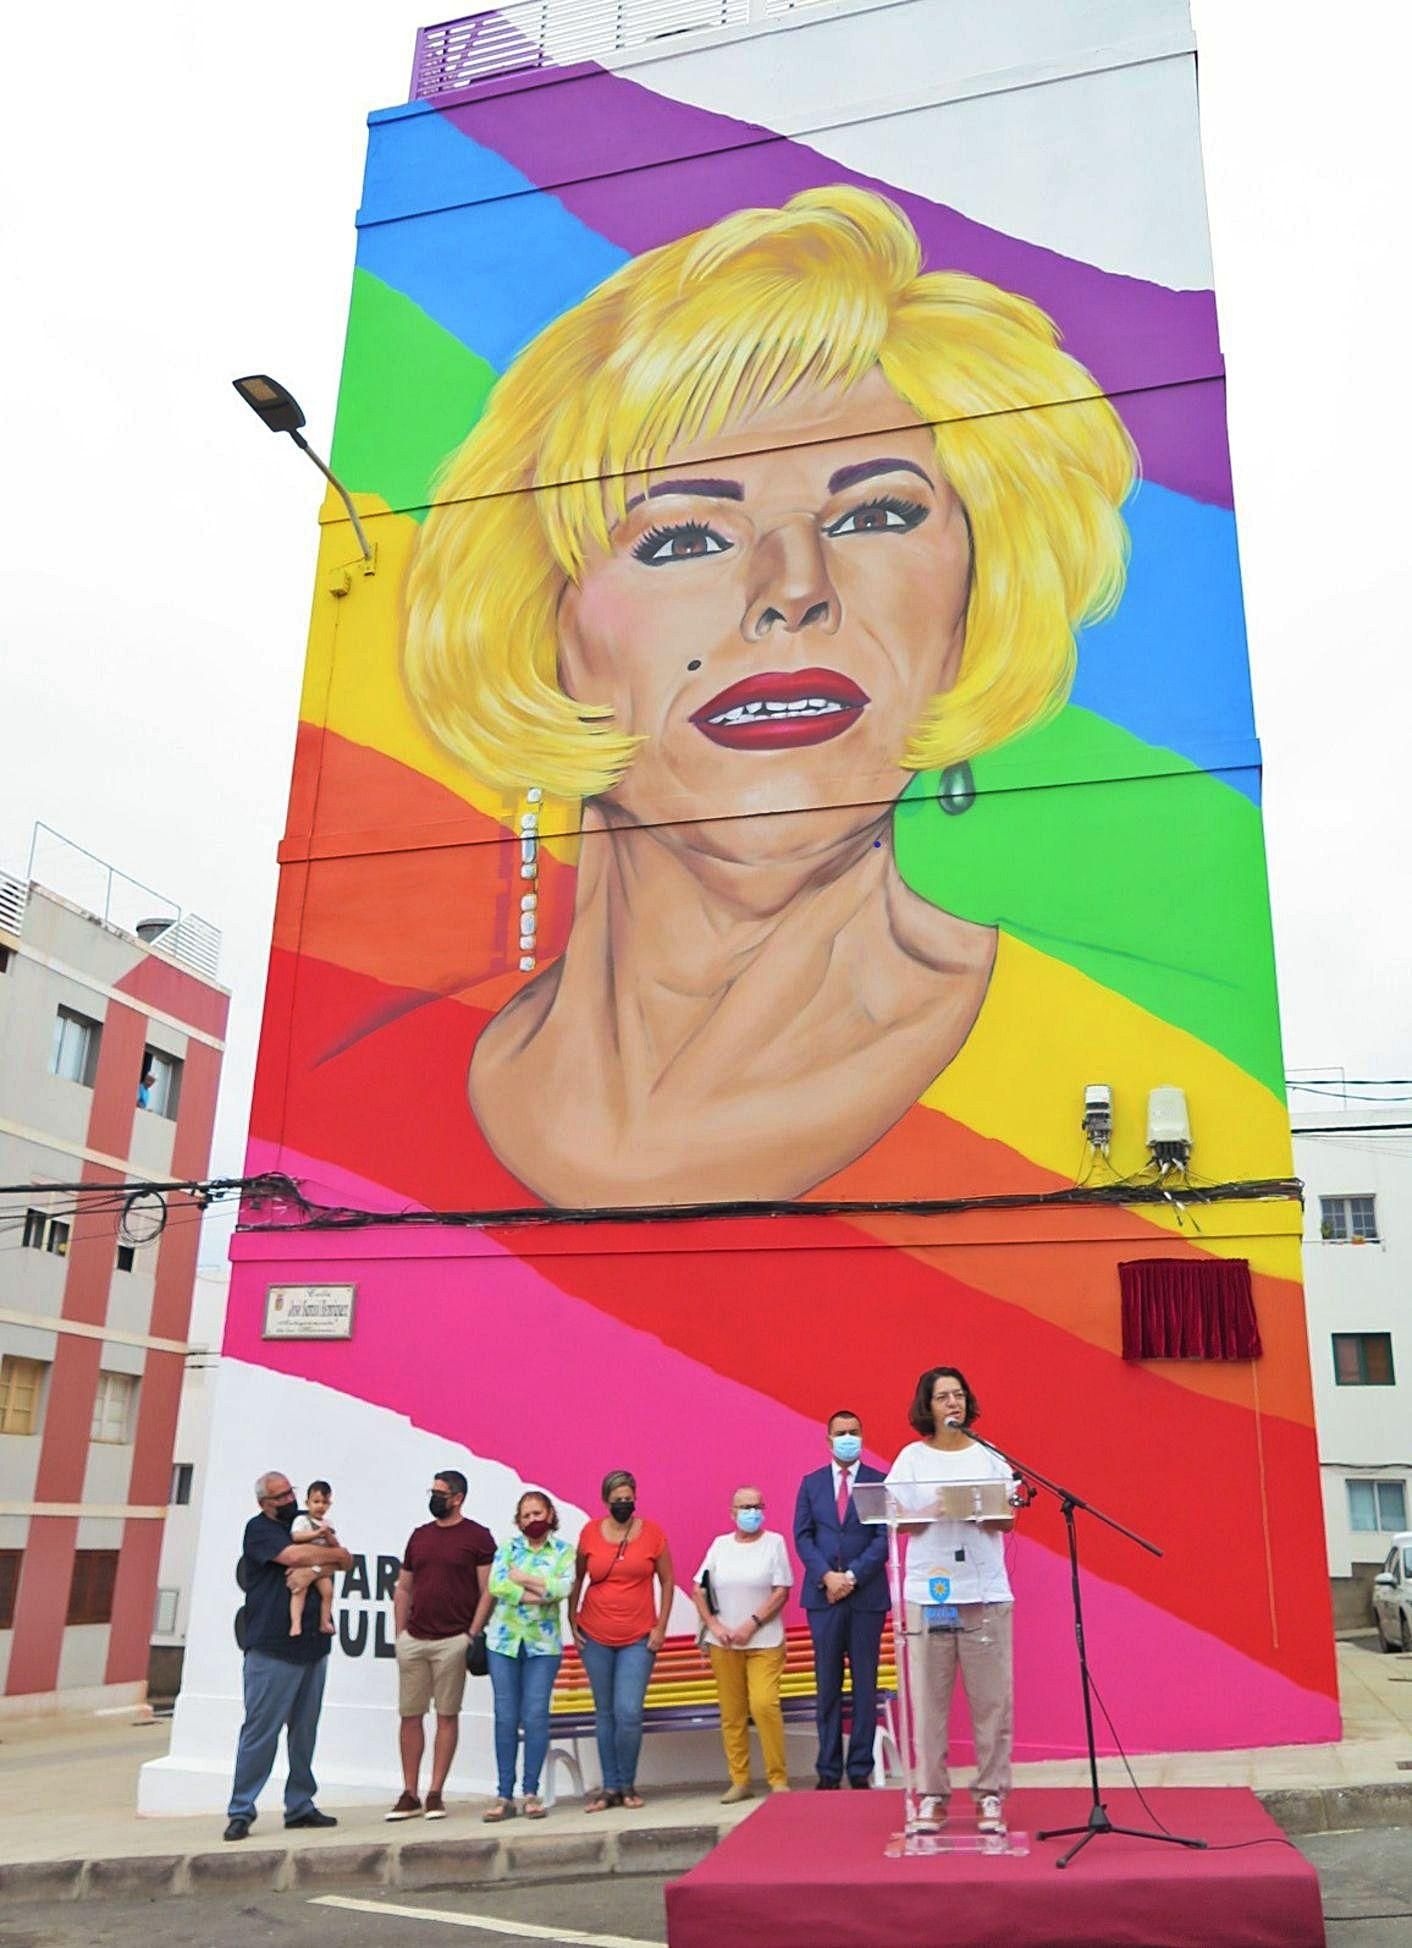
(931,1815)
(435,1808)
(407,1807)
(990,1814)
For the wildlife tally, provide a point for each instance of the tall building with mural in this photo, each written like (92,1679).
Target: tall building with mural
(789,761)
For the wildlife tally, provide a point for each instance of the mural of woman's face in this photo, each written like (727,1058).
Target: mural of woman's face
(776,609)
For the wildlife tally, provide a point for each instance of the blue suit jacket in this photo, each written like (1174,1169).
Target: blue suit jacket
(823,1545)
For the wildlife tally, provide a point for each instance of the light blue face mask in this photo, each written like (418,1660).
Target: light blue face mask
(750,1520)
(847,1448)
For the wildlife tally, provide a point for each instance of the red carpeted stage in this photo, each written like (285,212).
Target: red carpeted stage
(808,1871)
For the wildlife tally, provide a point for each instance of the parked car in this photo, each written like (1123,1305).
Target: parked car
(1392,1595)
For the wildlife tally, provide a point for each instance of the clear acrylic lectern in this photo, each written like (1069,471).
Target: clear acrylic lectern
(898,1506)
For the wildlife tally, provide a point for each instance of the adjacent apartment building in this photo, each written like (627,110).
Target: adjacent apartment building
(1356,1163)
(110,1056)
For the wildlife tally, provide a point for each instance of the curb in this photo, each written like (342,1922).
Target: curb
(482,1861)
(475,1861)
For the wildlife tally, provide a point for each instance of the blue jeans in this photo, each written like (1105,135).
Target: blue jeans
(277,1693)
(619,1674)
(521,1685)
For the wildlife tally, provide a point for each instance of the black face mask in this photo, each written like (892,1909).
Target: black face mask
(439,1505)
(621,1508)
(284,1513)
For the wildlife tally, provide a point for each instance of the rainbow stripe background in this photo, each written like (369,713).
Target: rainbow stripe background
(1119,851)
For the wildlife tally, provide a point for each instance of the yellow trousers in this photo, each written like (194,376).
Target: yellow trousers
(748,1686)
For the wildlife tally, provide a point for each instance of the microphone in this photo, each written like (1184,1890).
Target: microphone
(953,1420)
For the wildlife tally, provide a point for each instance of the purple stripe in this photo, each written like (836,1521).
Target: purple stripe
(641,170)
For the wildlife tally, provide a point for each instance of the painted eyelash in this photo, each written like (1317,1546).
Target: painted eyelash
(689,530)
(912,512)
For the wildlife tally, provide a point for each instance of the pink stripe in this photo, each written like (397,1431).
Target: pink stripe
(458,1349)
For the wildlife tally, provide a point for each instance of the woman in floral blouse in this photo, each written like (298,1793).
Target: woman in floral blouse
(530,1577)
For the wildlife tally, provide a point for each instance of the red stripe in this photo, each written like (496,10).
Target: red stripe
(41,1606)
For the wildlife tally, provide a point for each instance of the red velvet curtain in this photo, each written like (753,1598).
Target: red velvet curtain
(1188,1309)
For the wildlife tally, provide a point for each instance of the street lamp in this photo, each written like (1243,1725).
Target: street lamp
(282,413)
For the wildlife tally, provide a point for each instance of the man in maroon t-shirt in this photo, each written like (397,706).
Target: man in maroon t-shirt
(440,1599)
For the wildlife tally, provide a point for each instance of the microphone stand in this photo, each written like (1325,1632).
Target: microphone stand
(1098,1822)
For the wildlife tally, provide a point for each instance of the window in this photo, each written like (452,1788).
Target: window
(113,1406)
(91,1591)
(10,1561)
(21,1385)
(182,1472)
(127,1254)
(160,1086)
(164,1616)
(1377,1506)
(1348,1220)
(43,1233)
(75,1052)
(1363,1359)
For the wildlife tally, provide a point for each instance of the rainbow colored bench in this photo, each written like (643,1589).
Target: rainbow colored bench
(682,1698)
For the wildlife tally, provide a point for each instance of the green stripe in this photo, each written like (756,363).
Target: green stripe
(410,394)
(1149,876)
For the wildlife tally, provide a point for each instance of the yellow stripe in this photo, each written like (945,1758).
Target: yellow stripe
(1046,1030)
(352,680)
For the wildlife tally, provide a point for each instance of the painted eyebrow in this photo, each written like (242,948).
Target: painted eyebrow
(716,490)
(866,469)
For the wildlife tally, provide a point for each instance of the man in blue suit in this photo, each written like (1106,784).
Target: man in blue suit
(845,1598)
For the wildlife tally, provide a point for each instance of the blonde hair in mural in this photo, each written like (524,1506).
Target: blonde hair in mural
(682,343)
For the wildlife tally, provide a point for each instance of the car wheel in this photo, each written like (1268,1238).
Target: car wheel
(1406,1633)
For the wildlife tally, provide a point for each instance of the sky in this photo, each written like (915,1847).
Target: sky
(181,187)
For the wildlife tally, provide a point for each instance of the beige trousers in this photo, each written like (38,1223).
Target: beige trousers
(982,1648)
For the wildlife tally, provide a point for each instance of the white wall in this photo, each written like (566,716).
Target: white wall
(193,1438)
(1364,1432)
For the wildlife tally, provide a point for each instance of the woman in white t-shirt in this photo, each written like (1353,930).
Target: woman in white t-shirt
(959,1604)
(740,1588)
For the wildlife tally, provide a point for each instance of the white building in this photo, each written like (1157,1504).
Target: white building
(189,1457)
(1356,1163)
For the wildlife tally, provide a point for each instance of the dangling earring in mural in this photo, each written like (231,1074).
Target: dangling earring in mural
(956,791)
(529,871)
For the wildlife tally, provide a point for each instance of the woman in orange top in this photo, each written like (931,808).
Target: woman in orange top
(619,1629)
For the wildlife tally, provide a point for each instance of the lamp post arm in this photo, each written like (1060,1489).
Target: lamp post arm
(339,488)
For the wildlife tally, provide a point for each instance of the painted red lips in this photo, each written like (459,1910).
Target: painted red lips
(780,710)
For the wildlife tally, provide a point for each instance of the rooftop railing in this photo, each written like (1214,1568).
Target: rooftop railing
(527,34)
(91,884)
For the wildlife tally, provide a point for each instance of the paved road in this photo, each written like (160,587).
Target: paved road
(1367,1881)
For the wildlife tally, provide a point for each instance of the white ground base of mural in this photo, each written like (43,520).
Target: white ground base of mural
(381,1467)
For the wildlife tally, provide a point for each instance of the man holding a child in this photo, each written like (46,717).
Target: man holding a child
(284,1671)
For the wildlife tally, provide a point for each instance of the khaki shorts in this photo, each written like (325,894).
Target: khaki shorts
(431,1670)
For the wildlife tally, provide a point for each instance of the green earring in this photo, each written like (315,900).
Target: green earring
(956,790)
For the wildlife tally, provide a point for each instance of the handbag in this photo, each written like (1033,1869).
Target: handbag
(704,1639)
(477,1656)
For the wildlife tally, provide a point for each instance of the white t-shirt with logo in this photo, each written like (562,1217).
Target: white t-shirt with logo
(971,1557)
(744,1575)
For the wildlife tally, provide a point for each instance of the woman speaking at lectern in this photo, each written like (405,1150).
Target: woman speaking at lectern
(959,1605)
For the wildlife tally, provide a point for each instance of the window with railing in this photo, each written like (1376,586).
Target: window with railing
(1349,1220)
